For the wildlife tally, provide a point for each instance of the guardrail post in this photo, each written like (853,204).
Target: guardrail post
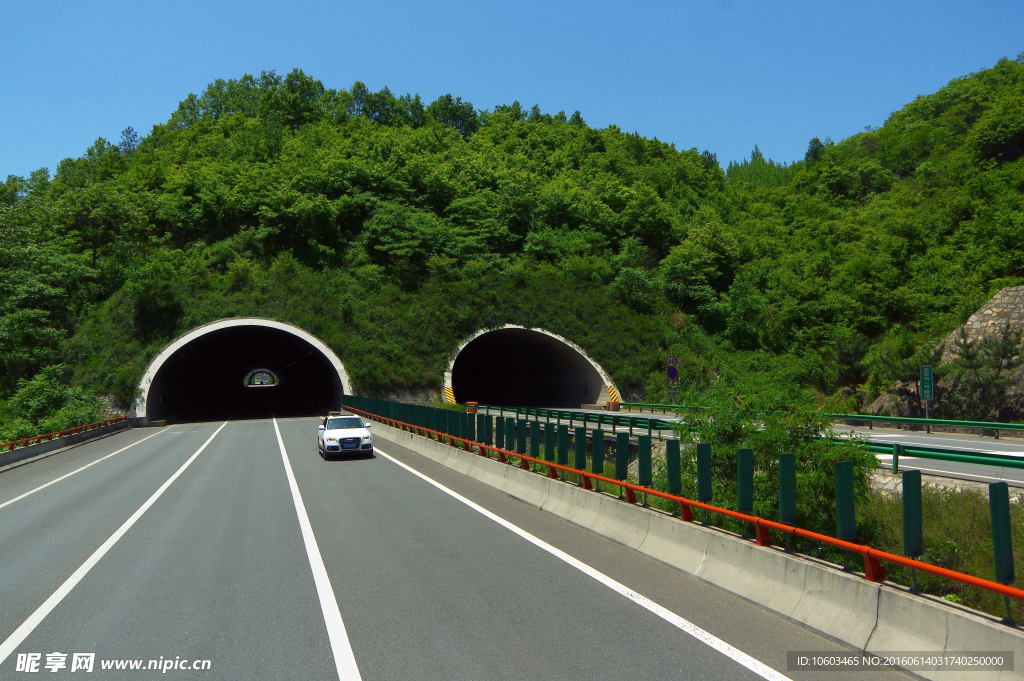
(1002,537)
(549,441)
(510,436)
(563,445)
(621,456)
(705,493)
(632,422)
(673,467)
(846,514)
(896,451)
(579,442)
(643,462)
(597,453)
(913,526)
(454,425)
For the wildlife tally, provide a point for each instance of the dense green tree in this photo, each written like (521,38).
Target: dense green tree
(455,113)
(840,271)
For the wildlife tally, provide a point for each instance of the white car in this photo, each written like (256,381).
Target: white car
(344,434)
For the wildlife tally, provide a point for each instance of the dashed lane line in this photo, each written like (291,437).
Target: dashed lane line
(78,470)
(33,621)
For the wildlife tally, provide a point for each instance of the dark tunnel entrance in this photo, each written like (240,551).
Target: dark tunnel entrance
(205,379)
(525,368)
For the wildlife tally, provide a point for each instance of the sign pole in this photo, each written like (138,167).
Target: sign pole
(673,377)
(927,390)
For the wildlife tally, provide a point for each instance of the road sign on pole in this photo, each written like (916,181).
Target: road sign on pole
(927,389)
(673,376)
(927,383)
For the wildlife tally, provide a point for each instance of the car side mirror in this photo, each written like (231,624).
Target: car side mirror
(320,427)
(366,425)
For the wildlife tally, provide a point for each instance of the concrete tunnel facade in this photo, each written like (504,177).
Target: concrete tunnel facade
(516,366)
(202,374)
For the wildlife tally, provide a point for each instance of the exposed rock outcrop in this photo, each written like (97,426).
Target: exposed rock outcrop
(1005,308)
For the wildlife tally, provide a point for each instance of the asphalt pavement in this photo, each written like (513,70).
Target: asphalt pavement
(188,544)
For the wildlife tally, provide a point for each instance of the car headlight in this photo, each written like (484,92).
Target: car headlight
(367,438)
(332,439)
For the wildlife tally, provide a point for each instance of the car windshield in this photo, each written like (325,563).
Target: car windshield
(343,424)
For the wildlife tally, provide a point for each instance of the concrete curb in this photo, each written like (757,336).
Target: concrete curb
(841,606)
(14,456)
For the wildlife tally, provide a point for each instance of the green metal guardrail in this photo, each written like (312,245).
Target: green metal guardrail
(871,419)
(452,422)
(939,454)
(928,423)
(651,426)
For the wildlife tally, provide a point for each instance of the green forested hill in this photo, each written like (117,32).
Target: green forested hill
(393,229)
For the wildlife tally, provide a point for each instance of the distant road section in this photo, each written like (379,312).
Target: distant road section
(233,551)
(956,441)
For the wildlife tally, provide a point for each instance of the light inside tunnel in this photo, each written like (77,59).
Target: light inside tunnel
(210,377)
(525,367)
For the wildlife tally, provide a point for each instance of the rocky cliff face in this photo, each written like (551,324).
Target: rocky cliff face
(1006,307)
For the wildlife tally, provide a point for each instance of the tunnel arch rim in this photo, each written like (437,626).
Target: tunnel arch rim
(612,392)
(140,408)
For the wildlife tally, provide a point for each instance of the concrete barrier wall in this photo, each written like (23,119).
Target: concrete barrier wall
(842,606)
(7,457)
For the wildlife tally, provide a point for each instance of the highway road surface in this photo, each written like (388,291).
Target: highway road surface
(232,551)
(954,442)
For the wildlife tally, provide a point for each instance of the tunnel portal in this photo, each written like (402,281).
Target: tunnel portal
(204,374)
(519,367)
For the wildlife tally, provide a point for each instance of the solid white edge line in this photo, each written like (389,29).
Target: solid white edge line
(939,473)
(690,628)
(344,659)
(27,627)
(68,475)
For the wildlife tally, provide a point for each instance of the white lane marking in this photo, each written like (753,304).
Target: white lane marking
(964,446)
(68,475)
(712,641)
(340,645)
(955,475)
(33,621)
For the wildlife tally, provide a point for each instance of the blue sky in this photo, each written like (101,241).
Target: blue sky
(716,74)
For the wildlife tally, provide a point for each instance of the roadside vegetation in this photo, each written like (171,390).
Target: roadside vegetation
(47,404)
(393,228)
